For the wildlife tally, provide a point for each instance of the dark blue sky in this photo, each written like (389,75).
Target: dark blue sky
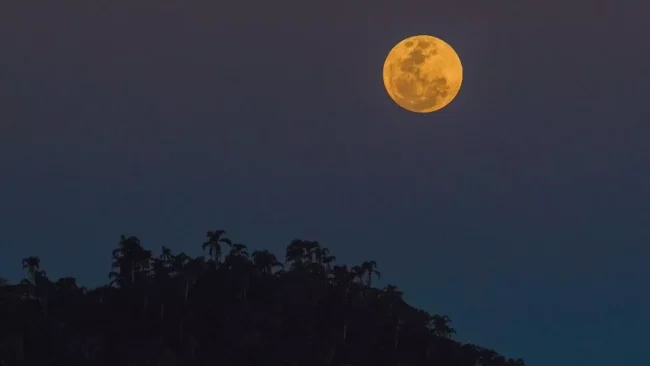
(521,210)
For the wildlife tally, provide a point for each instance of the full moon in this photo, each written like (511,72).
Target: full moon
(422,74)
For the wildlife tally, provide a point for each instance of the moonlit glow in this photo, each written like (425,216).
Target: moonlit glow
(422,74)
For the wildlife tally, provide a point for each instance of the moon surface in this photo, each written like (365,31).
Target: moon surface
(422,74)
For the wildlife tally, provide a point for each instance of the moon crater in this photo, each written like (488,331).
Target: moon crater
(422,74)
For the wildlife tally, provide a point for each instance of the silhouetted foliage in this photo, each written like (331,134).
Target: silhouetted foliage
(237,309)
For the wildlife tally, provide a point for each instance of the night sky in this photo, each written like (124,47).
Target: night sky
(521,210)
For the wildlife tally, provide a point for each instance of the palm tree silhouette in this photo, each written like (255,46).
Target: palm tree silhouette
(441,326)
(296,253)
(166,255)
(239,250)
(130,260)
(213,244)
(369,268)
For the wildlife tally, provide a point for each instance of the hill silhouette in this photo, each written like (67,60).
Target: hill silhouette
(228,308)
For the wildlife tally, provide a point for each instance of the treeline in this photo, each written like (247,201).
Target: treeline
(227,308)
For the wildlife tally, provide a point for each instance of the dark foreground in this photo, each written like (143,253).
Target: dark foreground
(237,309)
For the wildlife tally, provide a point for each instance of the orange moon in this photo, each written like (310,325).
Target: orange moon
(422,74)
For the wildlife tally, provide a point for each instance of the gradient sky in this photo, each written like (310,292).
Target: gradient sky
(520,210)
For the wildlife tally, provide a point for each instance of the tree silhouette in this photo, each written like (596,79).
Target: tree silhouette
(265,261)
(32,264)
(369,268)
(441,326)
(173,309)
(213,244)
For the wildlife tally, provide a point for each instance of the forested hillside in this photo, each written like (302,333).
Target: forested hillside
(230,307)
